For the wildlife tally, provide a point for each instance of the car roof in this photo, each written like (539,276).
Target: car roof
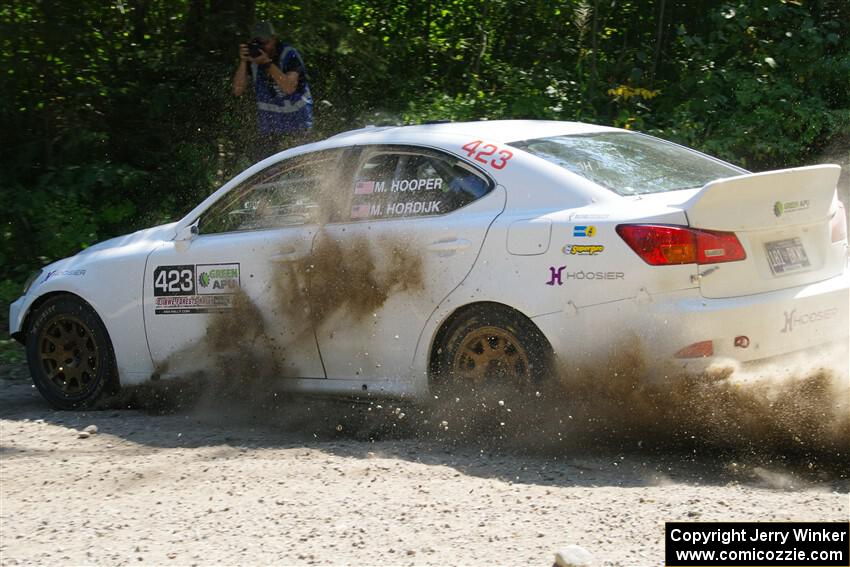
(496,131)
(446,135)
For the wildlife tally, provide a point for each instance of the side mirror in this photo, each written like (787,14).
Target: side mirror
(188,232)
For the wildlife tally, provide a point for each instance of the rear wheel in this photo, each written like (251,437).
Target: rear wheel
(492,347)
(69,353)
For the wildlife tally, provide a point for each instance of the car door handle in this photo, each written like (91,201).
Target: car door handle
(287,255)
(449,245)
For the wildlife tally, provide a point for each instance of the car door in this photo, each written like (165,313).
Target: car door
(232,299)
(408,234)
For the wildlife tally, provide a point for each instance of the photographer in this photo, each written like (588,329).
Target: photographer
(284,104)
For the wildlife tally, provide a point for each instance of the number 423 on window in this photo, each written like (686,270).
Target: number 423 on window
(488,154)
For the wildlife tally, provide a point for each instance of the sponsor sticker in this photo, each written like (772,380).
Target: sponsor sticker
(217,278)
(794,319)
(584,231)
(191,304)
(583,249)
(191,288)
(557,276)
(780,208)
(589,216)
(63,273)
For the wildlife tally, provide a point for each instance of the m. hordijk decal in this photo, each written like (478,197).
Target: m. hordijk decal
(201,288)
(413,208)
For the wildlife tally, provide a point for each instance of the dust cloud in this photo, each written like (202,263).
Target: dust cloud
(354,274)
(794,417)
(795,414)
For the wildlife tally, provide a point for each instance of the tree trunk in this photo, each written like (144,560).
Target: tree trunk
(659,37)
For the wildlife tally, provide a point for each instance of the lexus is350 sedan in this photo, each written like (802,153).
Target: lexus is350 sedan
(390,260)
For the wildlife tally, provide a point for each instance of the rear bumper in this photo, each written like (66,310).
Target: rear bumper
(762,326)
(743,329)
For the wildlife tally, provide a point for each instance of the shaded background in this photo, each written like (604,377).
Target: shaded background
(118,115)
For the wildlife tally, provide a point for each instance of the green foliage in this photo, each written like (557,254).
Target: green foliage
(11,352)
(767,85)
(117,116)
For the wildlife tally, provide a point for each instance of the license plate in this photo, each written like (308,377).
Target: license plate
(785,256)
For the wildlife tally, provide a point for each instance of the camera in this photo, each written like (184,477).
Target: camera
(255,48)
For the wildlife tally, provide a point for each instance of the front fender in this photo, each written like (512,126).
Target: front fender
(111,282)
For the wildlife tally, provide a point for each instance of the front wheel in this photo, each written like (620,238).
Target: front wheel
(69,353)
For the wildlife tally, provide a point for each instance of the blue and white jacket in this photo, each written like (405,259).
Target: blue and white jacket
(277,112)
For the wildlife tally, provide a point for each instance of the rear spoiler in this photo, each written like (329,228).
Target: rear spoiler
(765,200)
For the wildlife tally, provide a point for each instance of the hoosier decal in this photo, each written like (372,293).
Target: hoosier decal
(557,275)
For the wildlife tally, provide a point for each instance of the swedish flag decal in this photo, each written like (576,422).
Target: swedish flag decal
(584,231)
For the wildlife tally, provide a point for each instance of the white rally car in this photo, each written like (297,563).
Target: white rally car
(390,260)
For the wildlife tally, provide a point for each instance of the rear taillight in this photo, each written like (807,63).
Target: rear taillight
(663,245)
(838,224)
(702,349)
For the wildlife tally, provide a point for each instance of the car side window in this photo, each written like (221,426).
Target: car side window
(395,182)
(288,193)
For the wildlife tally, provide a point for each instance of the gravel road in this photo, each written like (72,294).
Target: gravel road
(316,482)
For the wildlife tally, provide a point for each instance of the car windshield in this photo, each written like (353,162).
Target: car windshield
(629,163)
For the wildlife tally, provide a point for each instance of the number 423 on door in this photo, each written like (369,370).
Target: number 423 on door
(488,154)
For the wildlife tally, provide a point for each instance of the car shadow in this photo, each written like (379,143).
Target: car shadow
(544,450)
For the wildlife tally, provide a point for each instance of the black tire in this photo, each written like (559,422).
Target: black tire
(491,347)
(69,353)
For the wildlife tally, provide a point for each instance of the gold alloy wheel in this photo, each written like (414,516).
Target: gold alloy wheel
(492,354)
(68,354)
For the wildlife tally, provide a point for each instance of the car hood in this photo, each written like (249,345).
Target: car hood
(153,234)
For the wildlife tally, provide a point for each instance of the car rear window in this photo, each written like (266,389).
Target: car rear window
(629,163)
